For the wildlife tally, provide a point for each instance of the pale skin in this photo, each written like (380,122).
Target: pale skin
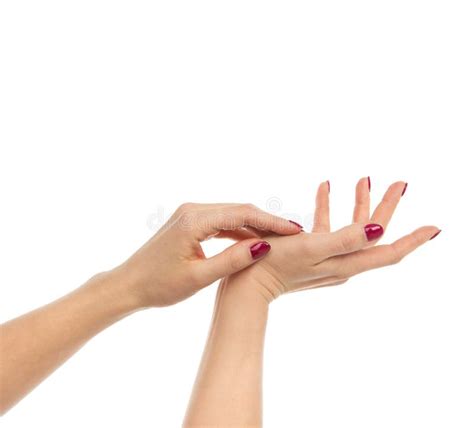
(228,388)
(170,267)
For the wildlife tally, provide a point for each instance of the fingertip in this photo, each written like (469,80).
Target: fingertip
(289,227)
(322,195)
(259,250)
(427,233)
(364,183)
(400,185)
(404,188)
(324,186)
(420,236)
(297,225)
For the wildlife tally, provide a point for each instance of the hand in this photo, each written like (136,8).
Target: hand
(172,266)
(322,258)
(233,359)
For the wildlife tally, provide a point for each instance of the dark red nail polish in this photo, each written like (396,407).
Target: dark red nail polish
(435,235)
(404,189)
(296,224)
(259,249)
(369,183)
(329,187)
(373,231)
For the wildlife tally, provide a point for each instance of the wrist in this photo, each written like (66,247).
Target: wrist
(112,290)
(249,287)
(240,312)
(256,283)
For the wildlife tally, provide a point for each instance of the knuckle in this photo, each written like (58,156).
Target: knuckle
(234,261)
(185,207)
(186,220)
(388,200)
(307,245)
(251,214)
(347,242)
(418,238)
(248,207)
(395,256)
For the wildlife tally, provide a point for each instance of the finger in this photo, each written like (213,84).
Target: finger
(362,201)
(260,233)
(346,240)
(210,222)
(321,214)
(237,234)
(385,209)
(231,260)
(384,255)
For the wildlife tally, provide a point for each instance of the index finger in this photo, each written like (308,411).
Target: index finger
(209,222)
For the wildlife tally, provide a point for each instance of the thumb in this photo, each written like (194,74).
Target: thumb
(233,259)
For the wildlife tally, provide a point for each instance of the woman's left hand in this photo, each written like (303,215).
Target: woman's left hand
(323,258)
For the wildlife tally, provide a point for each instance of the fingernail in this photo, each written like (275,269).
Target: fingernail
(296,224)
(404,189)
(435,235)
(373,231)
(369,183)
(259,249)
(329,187)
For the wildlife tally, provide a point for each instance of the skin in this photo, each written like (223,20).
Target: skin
(228,388)
(170,267)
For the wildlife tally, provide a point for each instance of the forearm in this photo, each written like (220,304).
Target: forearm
(228,387)
(35,344)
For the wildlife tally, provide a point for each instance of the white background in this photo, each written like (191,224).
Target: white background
(114,112)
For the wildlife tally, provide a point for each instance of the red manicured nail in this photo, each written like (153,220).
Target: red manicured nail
(329,187)
(369,183)
(435,235)
(259,249)
(404,189)
(296,224)
(373,231)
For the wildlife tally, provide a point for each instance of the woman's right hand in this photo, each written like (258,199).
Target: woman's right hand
(172,266)
(322,258)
